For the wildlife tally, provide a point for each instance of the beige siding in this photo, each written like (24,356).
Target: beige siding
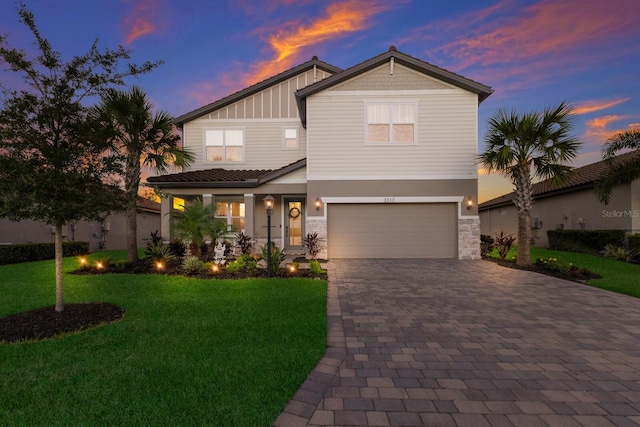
(277,101)
(564,211)
(263,143)
(446,136)
(381,78)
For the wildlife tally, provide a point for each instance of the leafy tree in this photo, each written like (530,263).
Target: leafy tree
(50,169)
(618,171)
(526,146)
(125,120)
(196,222)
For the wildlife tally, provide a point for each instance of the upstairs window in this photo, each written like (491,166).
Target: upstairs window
(290,139)
(224,145)
(391,123)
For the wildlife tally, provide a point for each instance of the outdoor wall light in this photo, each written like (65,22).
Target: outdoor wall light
(469,202)
(318,203)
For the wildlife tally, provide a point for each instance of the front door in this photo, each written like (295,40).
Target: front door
(294,224)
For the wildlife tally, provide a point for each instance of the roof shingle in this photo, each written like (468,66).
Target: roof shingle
(582,177)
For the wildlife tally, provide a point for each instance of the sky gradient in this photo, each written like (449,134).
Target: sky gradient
(533,53)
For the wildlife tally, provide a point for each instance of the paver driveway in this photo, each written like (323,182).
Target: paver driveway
(470,343)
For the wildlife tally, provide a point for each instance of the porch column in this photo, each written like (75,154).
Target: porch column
(165,217)
(208,199)
(249,204)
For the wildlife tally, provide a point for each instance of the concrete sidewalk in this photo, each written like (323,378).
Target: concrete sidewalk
(470,343)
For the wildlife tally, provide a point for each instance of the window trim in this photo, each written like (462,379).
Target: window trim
(284,137)
(224,145)
(390,104)
(229,217)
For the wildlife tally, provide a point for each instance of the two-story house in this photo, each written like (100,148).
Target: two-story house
(378,159)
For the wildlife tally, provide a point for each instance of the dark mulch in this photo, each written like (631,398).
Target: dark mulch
(47,323)
(576,275)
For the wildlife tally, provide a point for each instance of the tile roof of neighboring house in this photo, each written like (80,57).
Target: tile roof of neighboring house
(582,177)
(224,177)
(147,205)
(179,121)
(400,58)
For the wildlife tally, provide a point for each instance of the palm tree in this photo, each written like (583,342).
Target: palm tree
(526,146)
(195,223)
(125,119)
(618,172)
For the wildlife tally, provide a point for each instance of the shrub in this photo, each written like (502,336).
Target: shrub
(159,253)
(13,254)
(277,257)
(504,243)
(154,239)
(618,252)
(177,248)
(633,241)
(311,245)
(588,241)
(244,243)
(192,265)
(315,268)
(487,243)
(244,263)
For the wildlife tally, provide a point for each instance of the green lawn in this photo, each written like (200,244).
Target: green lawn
(188,351)
(617,276)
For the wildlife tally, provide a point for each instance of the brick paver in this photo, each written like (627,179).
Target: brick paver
(456,343)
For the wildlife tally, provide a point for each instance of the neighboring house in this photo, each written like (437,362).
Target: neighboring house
(569,206)
(378,159)
(109,234)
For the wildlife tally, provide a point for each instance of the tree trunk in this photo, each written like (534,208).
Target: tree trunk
(59,277)
(132,181)
(524,238)
(132,234)
(523,201)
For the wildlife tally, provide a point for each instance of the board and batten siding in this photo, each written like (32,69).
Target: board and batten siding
(263,116)
(446,123)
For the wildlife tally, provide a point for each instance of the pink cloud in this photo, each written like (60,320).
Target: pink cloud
(140,20)
(287,43)
(597,105)
(599,129)
(538,42)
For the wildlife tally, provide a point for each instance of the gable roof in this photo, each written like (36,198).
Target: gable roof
(582,178)
(401,58)
(278,78)
(224,178)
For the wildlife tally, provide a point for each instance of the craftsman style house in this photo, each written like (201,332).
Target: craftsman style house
(378,159)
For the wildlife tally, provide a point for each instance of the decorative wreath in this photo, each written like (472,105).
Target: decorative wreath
(294,213)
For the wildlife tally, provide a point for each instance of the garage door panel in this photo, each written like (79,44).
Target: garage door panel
(392,230)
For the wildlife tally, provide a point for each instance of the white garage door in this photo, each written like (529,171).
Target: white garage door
(394,230)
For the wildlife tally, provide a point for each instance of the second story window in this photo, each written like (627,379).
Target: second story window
(391,123)
(224,145)
(290,138)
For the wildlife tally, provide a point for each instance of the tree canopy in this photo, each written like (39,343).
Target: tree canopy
(618,171)
(51,169)
(526,146)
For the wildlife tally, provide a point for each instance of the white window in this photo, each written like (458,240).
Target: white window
(391,123)
(232,213)
(290,139)
(224,145)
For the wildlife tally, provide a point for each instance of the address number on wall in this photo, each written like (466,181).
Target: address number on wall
(389,199)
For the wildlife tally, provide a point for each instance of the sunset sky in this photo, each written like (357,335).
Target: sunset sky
(533,53)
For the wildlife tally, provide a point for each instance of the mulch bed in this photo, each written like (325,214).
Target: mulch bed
(46,323)
(578,275)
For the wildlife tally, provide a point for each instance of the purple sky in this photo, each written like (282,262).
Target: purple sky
(534,54)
